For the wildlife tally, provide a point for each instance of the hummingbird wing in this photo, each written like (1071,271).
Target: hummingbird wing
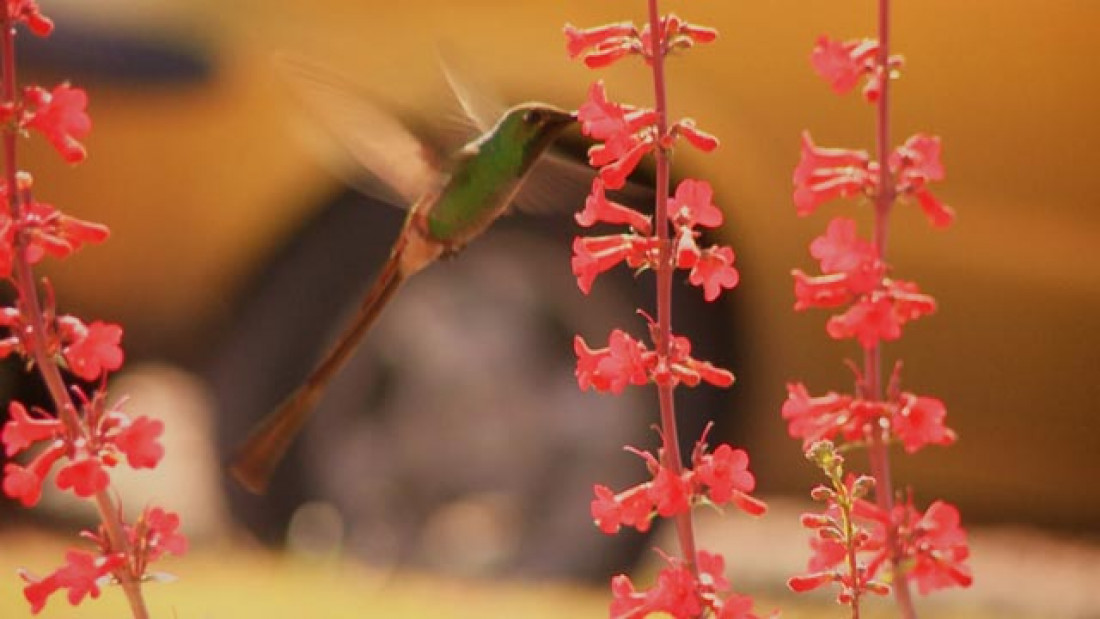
(372,138)
(481,106)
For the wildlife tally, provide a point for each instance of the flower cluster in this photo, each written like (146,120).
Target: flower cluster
(913,420)
(627,134)
(855,538)
(680,592)
(850,546)
(666,241)
(716,478)
(84,436)
(825,174)
(154,534)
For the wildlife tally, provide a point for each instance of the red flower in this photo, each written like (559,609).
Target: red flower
(914,164)
(60,116)
(843,63)
(27,12)
(92,349)
(85,477)
(822,291)
(714,271)
(21,431)
(25,484)
(612,368)
(816,418)
(138,441)
(695,136)
(159,533)
(606,511)
(618,126)
(597,208)
(825,174)
(669,493)
(595,254)
(940,550)
(57,234)
(614,174)
(675,593)
(918,421)
(80,575)
(869,320)
(725,472)
(692,205)
(607,42)
(688,370)
(626,603)
(840,249)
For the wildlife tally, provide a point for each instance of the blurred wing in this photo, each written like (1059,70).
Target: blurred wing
(374,139)
(558,183)
(481,106)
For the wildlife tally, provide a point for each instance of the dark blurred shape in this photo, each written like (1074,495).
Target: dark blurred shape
(87,53)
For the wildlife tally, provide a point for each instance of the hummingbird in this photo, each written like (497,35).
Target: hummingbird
(453,200)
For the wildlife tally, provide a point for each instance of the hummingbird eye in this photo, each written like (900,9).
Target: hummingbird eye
(532,117)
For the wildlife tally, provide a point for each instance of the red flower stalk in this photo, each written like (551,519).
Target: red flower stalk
(667,241)
(86,439)
(874,308)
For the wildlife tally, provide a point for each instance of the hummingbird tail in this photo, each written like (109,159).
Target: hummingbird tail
(255,461)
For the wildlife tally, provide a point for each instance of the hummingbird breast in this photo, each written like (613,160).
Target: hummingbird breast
(477,193)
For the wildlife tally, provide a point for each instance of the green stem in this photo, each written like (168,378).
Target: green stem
(671,453)
(30,307)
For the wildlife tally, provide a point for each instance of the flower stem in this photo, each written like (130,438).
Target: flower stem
(35,330)
(670,437)
(872,358)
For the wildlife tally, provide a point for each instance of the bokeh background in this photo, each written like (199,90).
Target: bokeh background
(456,444)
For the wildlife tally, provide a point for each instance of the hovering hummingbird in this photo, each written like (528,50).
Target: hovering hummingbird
(453,201)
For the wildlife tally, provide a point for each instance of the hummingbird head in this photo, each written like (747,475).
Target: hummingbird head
(535,126)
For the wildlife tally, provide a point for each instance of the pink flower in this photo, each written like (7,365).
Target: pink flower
(816,418)
(579,41)
(80,575)
(160,529)
(919,422)
(138,441)
(675,593)
(725,472)
(595,254)
(25,483)
(606,511)
(597,208)
(669,493)
(27,11)
(611,369)
(840,249)
(57,234)
(92,349)
(824,174)
(940,550)
(85,477)
(21,431)
(693,205)
(916,163)
(868,320)
(695,136)
(626,603)
(61,117)
(714,271)
(843,63)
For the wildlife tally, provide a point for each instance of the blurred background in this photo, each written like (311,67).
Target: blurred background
(456,442)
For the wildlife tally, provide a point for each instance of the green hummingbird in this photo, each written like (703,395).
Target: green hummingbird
(453,201)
